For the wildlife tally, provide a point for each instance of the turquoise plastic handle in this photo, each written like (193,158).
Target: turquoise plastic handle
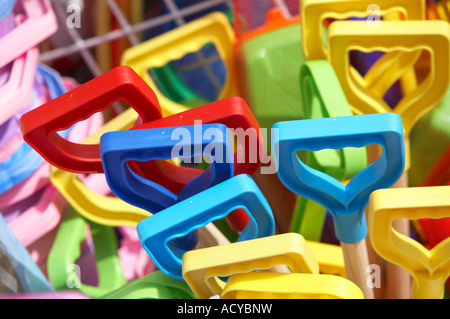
(345,202)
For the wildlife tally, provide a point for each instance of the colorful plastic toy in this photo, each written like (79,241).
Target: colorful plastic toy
(212,28)
(269,59)
(40,178)
(156,285)
(322,97)
(66,250)
(417,51)
(363,94)
(25,161)
(266,285)
(90,198)
(429,268)
(111,211)
(203,267)
(39,126)
(134,259)
(16,92)
(346,203)
(248,156)
(236,115)
(36,23)
(157,231)
(188,142)
(313,13)
(40,218)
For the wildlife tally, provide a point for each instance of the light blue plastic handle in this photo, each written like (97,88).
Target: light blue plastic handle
(156,232)
(345,202)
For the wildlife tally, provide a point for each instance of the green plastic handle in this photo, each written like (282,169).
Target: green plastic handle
(156,285)
(66,251)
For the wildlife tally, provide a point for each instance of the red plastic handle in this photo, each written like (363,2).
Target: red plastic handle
(232,112)
(40,126)
(436,230)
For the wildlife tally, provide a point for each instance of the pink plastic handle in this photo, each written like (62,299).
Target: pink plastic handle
(16,93)
(38,24)
(135,261)
(42,218)
(10,135)
(39,219)
(40,178)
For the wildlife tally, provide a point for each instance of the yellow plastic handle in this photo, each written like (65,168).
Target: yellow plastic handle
(399,39)
(104,210)
(314,12)
(429,268)
(330,258)
(264,285)
(212,28)
(202,267)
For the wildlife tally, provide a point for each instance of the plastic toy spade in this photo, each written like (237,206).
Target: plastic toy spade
(203,267)
(267,285)
(429,268)
(36,24)
(268,59)
(245,263)
(237,116)
(117,148)
(157,231)
(111,211)
(212,28)
(400,40)
(345,202)
(92,201)
(25,160)
(40,126)
(66,250)
(323,97)
(404,43)
(16,92)
(313,13)
(156,285)
(188,142)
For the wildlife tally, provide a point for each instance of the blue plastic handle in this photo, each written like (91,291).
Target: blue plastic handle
(117,148)
(25,160)
(185,142)
(345,202)
(156,232)
(53,80)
